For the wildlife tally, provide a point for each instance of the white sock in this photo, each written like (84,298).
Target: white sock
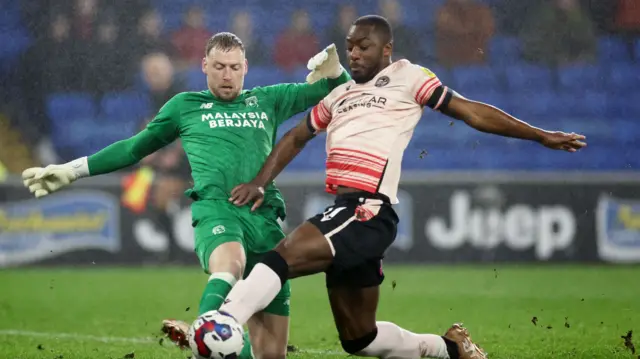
(253,294)
(225,276)
(393,342)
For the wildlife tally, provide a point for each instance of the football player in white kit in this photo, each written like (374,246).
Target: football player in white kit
(369,122)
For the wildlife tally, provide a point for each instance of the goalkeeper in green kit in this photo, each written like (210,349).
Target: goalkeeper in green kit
(227,133)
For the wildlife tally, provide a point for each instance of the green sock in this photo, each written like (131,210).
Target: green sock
(214,294)
(246,352)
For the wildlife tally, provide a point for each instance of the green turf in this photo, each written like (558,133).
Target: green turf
(601,304)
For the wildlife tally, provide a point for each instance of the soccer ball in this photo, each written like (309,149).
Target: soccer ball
(215,335)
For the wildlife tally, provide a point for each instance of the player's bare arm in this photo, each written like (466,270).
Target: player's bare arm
(283,153)
(490,119)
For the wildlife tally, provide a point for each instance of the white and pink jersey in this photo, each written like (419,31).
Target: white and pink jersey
(369,126)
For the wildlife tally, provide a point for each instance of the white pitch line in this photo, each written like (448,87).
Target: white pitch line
(95,338)
(320,351)
(109,339)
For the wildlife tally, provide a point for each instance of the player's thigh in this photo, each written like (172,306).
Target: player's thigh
(269,335)
(354,310)
(359,247)
(305,249)
(315,245)
(219,243)
(228,257)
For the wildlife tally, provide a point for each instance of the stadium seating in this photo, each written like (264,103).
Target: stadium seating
(582,105)
(504,50)
(194,79)
(526,78)
(496,98)
(623,78)
(82,125)
(625,133)
(298,75)
(265,75)
(601,99)
(474,78)
(14,42)
(581,77)
(443,74)
(612,49)
(72,117)
(125,106)
(69,106)
(535,107)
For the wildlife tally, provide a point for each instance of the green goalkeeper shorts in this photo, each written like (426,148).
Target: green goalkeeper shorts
(218,221)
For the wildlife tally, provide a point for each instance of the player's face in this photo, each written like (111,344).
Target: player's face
(366,53)
(225,72)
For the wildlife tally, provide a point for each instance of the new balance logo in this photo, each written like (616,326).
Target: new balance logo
(251,101)
(208,106)
(219,229)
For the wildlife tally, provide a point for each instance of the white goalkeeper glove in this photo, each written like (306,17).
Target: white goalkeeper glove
(43,181)
(325,64)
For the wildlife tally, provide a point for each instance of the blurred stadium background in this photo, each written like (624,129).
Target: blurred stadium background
(78,75)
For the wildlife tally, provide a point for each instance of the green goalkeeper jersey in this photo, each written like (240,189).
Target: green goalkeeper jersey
(226,142)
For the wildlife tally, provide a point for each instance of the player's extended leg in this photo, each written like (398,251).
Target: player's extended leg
(308,249)
(219,247)
(269,328)
(226,264)
(354,312)
(353,283)
(304,251)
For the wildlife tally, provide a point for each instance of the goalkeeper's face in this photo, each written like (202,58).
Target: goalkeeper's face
(225,70)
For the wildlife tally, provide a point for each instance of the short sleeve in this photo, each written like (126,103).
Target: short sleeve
(424,87)
(320,116)
(165,125)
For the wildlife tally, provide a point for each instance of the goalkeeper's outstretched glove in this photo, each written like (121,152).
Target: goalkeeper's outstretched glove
(44,181)
(326,64)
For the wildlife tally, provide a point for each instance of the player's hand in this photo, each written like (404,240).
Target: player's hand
(325,64)
(570,142)
(247,192)
(43,181)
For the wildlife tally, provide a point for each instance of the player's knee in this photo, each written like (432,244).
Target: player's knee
(355,346)
(229,258)
(278,264)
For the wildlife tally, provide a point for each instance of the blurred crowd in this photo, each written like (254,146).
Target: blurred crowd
(100,47)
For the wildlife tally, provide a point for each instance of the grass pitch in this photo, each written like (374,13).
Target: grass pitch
(513,312)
